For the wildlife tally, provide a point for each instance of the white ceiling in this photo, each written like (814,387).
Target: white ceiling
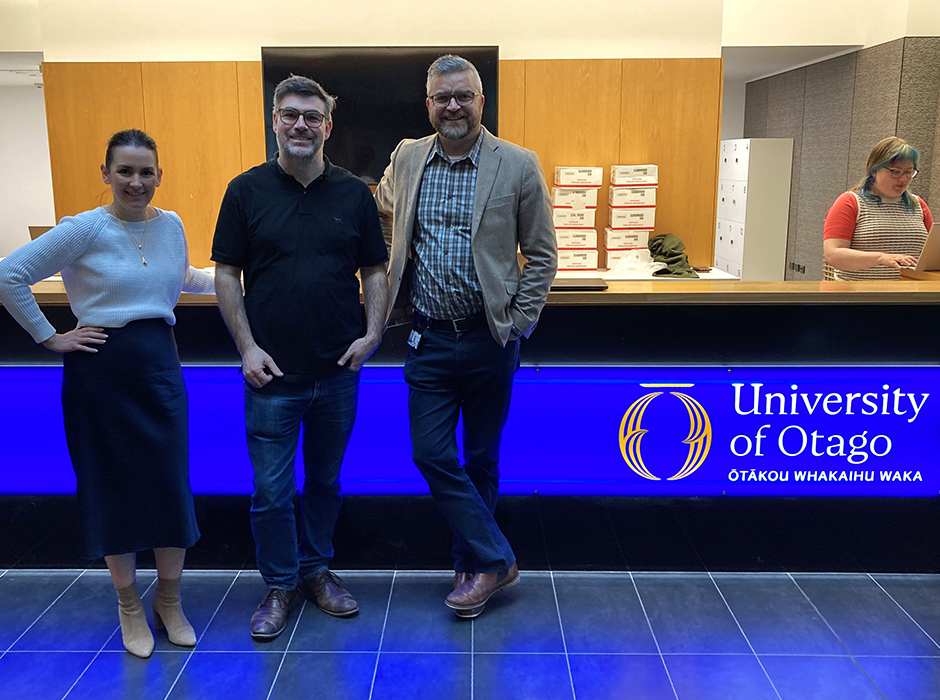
(742,63)
(20,68)
(747,63)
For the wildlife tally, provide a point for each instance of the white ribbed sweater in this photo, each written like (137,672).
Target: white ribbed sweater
(106,282)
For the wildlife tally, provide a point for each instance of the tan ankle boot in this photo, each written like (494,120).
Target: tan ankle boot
(134,628)
(168,612)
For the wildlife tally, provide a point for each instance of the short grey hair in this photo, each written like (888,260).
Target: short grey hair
(305,87)
(450,63)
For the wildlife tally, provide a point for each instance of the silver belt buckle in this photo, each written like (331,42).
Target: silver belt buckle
(456,321)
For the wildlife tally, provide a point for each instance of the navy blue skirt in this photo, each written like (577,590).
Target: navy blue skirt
(126,424)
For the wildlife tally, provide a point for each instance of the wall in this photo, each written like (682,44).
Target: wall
(233,30)
(25,183)
(629,111)
(20,29)
(815,23)
(836,111)
(732,110)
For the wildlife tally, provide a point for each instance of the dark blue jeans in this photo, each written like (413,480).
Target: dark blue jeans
(469,373)
(273,417)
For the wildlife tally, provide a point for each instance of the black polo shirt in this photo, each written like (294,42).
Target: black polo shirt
(300,249)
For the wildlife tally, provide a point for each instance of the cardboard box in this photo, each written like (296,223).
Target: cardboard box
(632,197)
(573,218)
(632,217)
(615,256)
(587,176)
(626,239)
(576,237)
(574,197)
(577,260)
(636,175)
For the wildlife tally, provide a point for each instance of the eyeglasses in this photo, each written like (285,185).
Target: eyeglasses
(290,117)
(898,174)
(442,99)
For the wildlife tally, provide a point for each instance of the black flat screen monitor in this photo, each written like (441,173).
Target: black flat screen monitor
(380,96)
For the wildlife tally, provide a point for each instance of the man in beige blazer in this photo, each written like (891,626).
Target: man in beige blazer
(463,202)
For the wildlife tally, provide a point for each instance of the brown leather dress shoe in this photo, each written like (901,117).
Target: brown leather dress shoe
(326,590)
(476,591)
(270,618)
(461,577)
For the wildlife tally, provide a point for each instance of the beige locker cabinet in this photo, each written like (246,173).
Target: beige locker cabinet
(753,207)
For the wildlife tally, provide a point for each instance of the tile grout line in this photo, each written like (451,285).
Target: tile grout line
(106,642)
(744,634)
(649,624)
(284,653)
(564,643)
(43,613)
(378,652)
(904,611)
(472,665)
(208,625)
(834,633)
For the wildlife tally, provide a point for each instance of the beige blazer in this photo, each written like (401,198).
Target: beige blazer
(511,210)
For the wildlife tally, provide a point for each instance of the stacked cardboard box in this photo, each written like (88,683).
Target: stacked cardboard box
(574,205)
(632,202)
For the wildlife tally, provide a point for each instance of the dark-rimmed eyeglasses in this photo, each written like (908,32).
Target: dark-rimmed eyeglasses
(442,99)
(898,174)
(290,117)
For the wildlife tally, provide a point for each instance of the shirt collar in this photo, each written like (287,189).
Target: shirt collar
(473,155)
(325,175)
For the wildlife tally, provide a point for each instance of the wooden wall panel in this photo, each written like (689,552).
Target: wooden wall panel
(572,117)
(192,111)
(251,112)
(672,117)
(512,101)
(85,104)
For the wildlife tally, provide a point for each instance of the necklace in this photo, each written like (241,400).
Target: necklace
(140,243)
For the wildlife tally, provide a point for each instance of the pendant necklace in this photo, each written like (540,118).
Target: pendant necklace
(143,237)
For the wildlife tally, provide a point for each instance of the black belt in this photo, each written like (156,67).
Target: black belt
(454,325)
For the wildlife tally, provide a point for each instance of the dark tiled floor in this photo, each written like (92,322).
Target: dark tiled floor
(621,598)
(571,635)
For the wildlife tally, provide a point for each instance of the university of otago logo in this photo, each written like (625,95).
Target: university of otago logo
(699,439)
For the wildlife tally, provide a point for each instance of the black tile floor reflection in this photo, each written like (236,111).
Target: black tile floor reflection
(564,635)
(731,599)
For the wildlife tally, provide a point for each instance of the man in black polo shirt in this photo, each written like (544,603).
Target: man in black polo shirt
(300,228)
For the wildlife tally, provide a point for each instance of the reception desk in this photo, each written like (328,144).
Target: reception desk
(660,388)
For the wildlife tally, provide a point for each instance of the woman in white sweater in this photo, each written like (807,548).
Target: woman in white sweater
(124,266)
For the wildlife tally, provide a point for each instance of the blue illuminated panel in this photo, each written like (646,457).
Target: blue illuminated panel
(601,430)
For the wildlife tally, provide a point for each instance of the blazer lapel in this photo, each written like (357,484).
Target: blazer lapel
(415,172)
(486,177)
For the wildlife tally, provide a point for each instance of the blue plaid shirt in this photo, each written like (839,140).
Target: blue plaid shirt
(444,282)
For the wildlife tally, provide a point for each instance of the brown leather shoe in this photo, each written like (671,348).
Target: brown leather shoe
(476,591)
(326,590)
(270,618)
(461,577)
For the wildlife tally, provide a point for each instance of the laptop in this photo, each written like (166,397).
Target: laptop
(578,284)
(929,259)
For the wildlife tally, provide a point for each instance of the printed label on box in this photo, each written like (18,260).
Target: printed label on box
(634,174)
(577,259)
(625,239)
(632,197)
(575,197)
(632,217)
(585,176)
(573,218)
(576,237)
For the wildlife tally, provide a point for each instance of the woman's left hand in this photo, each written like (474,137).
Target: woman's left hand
(82,339)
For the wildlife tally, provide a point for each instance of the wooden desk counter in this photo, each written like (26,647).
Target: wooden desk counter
(676,292)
